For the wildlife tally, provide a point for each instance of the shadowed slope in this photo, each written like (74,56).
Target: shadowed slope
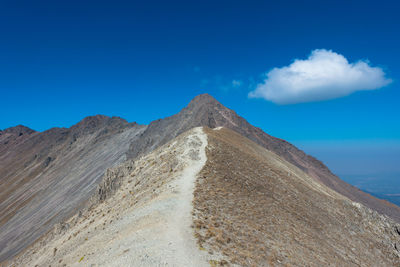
(259,210)
(44,177)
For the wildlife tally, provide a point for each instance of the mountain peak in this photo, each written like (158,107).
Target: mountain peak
(94,119)
(93,122)
(19,129)
(203,99)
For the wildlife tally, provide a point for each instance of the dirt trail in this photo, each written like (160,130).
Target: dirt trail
(147,222)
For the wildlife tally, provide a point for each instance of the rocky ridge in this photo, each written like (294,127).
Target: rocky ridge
(45,177)
(204,110)
(250,208)
(257,209)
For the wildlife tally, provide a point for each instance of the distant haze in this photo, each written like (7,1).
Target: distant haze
(371,165)
(356,157)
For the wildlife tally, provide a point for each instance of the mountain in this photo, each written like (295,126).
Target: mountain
(212,197)
(204,110)
(12,136)
(47,177)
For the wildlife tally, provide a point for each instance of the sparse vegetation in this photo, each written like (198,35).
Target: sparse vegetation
(248,211)
(247,208)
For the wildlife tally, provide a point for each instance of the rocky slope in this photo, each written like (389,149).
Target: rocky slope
(13,136)
(204,110)
(45,177)
(140,215)
(257,209)
(250,208)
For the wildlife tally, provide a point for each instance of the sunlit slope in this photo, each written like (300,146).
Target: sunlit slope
(258,210)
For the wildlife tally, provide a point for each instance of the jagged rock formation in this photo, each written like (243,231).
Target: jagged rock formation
(45,177)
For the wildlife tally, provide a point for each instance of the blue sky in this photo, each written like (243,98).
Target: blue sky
(142,60)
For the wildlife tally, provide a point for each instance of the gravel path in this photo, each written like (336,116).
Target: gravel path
(148,222)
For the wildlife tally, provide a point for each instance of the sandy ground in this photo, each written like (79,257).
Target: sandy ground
(148,222)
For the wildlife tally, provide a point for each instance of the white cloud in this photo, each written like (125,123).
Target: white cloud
(236,83)
(323,75)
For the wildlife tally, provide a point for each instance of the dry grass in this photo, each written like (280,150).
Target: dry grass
(258,210)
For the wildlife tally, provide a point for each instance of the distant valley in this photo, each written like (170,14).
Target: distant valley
(384,186)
